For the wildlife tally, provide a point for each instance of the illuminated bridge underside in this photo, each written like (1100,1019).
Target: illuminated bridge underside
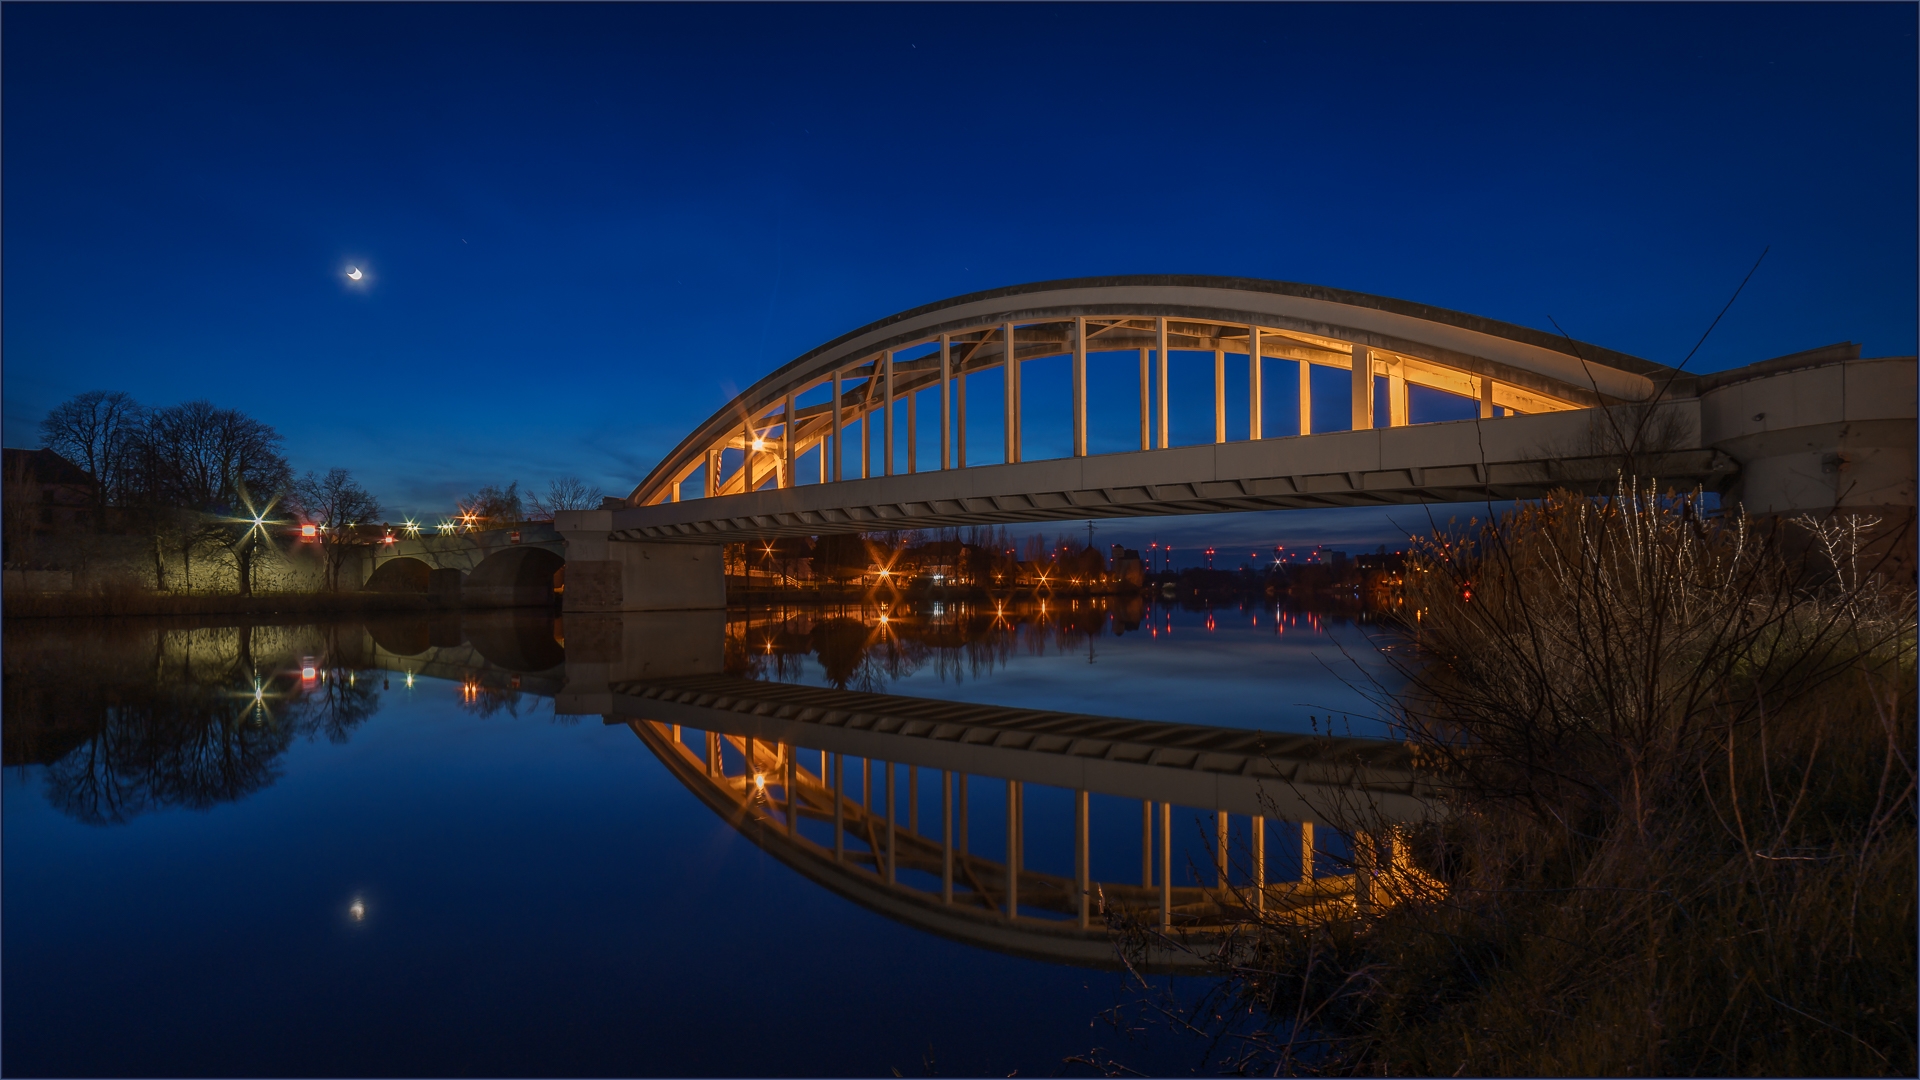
(874,857)
(1463,461)
(1294,777)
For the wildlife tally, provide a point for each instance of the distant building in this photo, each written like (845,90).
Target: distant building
(1383,560)
(1128,566)
(45,492)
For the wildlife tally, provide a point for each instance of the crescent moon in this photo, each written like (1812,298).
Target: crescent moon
(354,273)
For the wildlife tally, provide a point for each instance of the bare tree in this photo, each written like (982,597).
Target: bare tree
(220,467)
(337,504)
(95,431)
(566,493)
(493,505)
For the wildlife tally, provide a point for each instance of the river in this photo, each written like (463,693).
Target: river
(375,848)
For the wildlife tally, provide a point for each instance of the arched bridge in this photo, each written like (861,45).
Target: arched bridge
(814,776)
(832,441)
(512,566)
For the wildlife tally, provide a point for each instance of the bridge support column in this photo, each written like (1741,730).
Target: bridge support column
(1259,863)
(1255,389)
(789,440)
(1160,384)
(946,836)
(886,399)
(1079,374)
(1306,397)
(1219,395)
(960,421)
(1362,388)
(1166,866)
(1146,408)
(1011,396)
(604,574)
(946,401)
(1220,850)
(1013,849)
(1082,876)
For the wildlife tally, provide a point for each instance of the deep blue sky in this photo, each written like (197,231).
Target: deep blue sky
(587,226)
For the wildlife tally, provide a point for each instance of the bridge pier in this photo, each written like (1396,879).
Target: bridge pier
(1817,433)
(604,574)
(604,650)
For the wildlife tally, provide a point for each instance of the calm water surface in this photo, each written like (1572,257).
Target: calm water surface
(352,849)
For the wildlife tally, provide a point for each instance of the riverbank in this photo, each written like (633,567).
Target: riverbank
(1678,829)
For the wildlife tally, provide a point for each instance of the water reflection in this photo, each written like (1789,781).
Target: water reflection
(876,642)
(133,718)
(1007,826)
(837,784)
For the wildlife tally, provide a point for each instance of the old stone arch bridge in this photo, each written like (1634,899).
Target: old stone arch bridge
(511,567)
(834,441)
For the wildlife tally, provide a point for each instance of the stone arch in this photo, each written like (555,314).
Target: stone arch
(401,637)
(517,641)
(403,574)
(514,577)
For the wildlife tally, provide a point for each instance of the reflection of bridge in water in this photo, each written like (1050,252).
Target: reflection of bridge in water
(828,782)
(774,760)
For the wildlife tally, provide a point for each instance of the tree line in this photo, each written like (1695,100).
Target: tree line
(195,478)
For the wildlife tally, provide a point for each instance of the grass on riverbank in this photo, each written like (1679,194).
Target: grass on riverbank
(1678,835)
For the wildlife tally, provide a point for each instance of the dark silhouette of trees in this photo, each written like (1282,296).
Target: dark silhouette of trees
(566,493)
(337,504)
(197,476)
(842,556)
(493,505)
(95,431)
(127,724)
(187,477)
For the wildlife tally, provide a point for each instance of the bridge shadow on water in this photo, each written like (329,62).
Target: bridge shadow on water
(1020,830)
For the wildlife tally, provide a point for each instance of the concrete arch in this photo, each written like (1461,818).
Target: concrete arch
(513,577)
(400,575)
(1502,364)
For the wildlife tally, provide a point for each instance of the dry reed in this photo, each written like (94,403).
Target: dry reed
(1677,835)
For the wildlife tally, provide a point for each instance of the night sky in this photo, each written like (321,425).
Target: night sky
(585,227)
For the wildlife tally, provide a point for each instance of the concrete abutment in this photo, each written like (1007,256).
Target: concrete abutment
(608,575)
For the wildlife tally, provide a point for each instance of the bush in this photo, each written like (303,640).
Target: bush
(1676,834)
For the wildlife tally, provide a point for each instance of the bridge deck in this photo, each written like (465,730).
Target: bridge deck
(1462,461)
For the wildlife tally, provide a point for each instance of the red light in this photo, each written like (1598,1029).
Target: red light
(309,530)
(307,674)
